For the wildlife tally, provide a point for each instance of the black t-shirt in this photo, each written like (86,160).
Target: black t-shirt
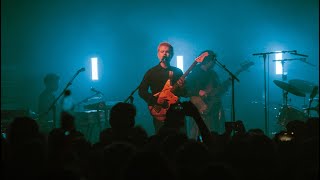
(155,79)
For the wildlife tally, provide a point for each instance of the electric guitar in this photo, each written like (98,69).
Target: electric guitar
(205,103)
(159,112)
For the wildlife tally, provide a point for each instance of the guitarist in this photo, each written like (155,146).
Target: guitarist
(206,90)
(204,83)
(156,78)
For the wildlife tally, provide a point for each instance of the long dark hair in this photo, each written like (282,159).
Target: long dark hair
(211,57)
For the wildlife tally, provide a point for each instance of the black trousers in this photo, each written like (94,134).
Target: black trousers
(158,124)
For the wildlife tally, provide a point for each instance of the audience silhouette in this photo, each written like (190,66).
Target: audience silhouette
(125,151)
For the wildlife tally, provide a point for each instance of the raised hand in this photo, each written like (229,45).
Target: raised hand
(180,82)
(163,102)
(190,109)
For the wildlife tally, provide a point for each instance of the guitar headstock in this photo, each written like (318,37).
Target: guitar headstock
(200,58)
(245,65)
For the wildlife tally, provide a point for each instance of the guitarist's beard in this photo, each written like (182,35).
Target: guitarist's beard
(166,60)
(165,64)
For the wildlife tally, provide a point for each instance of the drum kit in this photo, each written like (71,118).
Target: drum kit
(299,88)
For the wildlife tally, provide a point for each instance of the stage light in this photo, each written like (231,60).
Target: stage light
(278,56)
(94,68)
(180,62)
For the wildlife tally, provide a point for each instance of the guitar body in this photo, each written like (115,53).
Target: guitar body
(158,111)
(167,94)
(199,103)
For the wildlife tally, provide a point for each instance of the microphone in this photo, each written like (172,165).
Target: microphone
(295,53)
(82,69)
(164,58)
(96,91)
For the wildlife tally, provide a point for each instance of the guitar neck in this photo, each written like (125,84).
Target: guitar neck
(238,72)
(244,67)
(175,86)
(189,70)
(218,89)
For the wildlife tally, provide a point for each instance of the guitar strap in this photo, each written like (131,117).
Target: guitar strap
(170,77)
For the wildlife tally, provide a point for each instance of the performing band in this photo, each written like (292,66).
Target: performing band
(164,86)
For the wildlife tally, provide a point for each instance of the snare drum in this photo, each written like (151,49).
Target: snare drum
(289,113)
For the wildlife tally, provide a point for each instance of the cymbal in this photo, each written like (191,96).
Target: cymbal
(302,85)
(289,88)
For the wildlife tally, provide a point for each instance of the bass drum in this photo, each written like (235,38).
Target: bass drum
(289,113)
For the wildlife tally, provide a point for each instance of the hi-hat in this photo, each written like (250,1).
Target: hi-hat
(289,88)
(302,85)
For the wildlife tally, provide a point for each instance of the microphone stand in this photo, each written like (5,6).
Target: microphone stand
(53,105)
(308,110)
(264,55)
(130,97)
(284,78)
(233,77)
(312,95)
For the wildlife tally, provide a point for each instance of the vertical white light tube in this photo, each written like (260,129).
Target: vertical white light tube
(94,68)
